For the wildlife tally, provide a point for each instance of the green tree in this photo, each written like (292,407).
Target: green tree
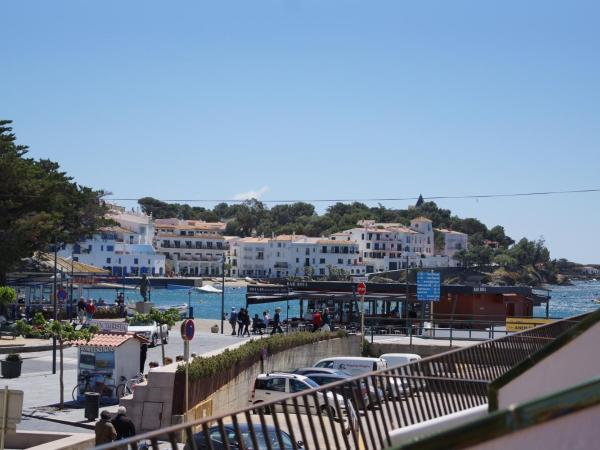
(39,204)
(64,333)
(168,317)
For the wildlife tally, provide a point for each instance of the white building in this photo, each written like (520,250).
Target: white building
(392,246)
(292,255)
(454,242)
(125,249)
(192,247)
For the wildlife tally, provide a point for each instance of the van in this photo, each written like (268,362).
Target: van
(355,365)
(399,359)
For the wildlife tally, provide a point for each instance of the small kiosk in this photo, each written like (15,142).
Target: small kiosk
(106,361)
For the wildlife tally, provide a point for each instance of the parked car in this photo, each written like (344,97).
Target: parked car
(216,438)
(399,359)
(279,385)
(357,365)
(350,390)
(306,370)
(150,330)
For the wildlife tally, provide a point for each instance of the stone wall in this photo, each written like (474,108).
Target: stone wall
(152,403)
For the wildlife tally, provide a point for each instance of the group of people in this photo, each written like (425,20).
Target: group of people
(112,429)
(85,310)
(241,319)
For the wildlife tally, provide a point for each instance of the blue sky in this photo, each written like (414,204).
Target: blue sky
(319,99)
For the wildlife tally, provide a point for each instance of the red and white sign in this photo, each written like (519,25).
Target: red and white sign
(361,289)
(187,330)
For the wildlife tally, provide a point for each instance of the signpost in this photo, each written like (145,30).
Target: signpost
(188,329)
(428,290)
(361,289)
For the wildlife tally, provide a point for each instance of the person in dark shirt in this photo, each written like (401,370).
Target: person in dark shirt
(123,424)
(277,322)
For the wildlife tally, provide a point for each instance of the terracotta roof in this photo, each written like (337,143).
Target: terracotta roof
(118,229)
(111,340)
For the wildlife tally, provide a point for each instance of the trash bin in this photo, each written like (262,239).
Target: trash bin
(92,405)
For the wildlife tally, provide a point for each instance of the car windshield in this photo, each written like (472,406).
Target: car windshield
(139,322)
(311,383)
(262,444)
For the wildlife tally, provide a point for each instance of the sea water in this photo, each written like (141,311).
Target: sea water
(565,301)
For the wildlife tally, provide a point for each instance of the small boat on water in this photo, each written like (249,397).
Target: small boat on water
(208,289)
(175,287)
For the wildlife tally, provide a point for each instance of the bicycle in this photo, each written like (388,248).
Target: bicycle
(100,387)
(127,387)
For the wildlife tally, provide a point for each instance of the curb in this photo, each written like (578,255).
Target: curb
(62,422)
(28,348)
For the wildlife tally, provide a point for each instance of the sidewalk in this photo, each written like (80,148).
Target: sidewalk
(22,345)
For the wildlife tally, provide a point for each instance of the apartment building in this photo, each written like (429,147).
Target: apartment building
(292,255)
(125,249)
(192,247)
(454,242)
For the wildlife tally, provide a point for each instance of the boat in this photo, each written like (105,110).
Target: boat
(208,289)
(175,287)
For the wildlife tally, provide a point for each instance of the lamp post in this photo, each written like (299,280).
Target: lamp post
(223,292)
(54,304)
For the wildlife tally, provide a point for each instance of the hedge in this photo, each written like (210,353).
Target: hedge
(206,375)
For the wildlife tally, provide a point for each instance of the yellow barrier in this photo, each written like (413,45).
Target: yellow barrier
(514,324)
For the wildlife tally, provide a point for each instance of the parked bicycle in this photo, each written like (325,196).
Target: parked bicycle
(126,386)
(93,382)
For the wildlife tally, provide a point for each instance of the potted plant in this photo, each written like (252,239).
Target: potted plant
(11,366)
(214,328)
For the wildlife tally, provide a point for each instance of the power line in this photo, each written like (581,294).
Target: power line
(379,199)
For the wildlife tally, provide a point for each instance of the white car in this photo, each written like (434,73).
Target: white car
(279,385)
(358,365)
(150,330)
(399,359)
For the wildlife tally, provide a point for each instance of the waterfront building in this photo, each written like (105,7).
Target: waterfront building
(192,247)
(123,249)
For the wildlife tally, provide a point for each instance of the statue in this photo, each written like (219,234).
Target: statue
(144,286)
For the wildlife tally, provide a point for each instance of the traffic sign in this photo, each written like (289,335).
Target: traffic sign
(361,289)
(428,286)
(187,330)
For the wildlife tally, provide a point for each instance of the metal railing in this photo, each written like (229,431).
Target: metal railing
(348,415)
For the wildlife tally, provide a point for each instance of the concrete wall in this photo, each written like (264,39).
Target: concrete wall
(48,440)
(151,405)
(235,394)
(572,364)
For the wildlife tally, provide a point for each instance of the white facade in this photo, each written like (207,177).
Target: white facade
(125,249)
(291,255)
(193,247)
(454,242)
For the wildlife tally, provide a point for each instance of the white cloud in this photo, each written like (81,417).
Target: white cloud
(251,194)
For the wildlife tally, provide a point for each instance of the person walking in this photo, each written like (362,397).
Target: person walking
(266,320)
(233,320)
(123,425)
(277,322)
(326,319)
(143,355)
(104,429)
(246,323)
(316,319)
(81,310)
(90,309)
(240,321)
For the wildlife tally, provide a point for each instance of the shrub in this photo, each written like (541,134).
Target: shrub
(13,357)
(250,352)
(7,295)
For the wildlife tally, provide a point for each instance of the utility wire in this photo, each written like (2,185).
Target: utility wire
(381,199)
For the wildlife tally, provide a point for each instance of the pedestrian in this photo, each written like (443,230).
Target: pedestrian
(266,320)
(123,425)
(81,310)
(257,325)
(104,429)
(326,321)
(277,322)
(233,320)
(246,323)
(143,355)
(90,309)
(240,321)
(316,320)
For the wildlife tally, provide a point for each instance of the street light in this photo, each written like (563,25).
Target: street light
(223,292)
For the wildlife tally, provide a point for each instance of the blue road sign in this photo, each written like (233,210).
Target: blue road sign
(428,286)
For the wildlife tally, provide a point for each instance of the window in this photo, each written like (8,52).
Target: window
(107,260)
(298,386)
(102,248)
(328,364)
(135,261)
(368,245)
(321,271)
(272,384)
(110,248)
(340,261)
(322,261)
(297,260)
